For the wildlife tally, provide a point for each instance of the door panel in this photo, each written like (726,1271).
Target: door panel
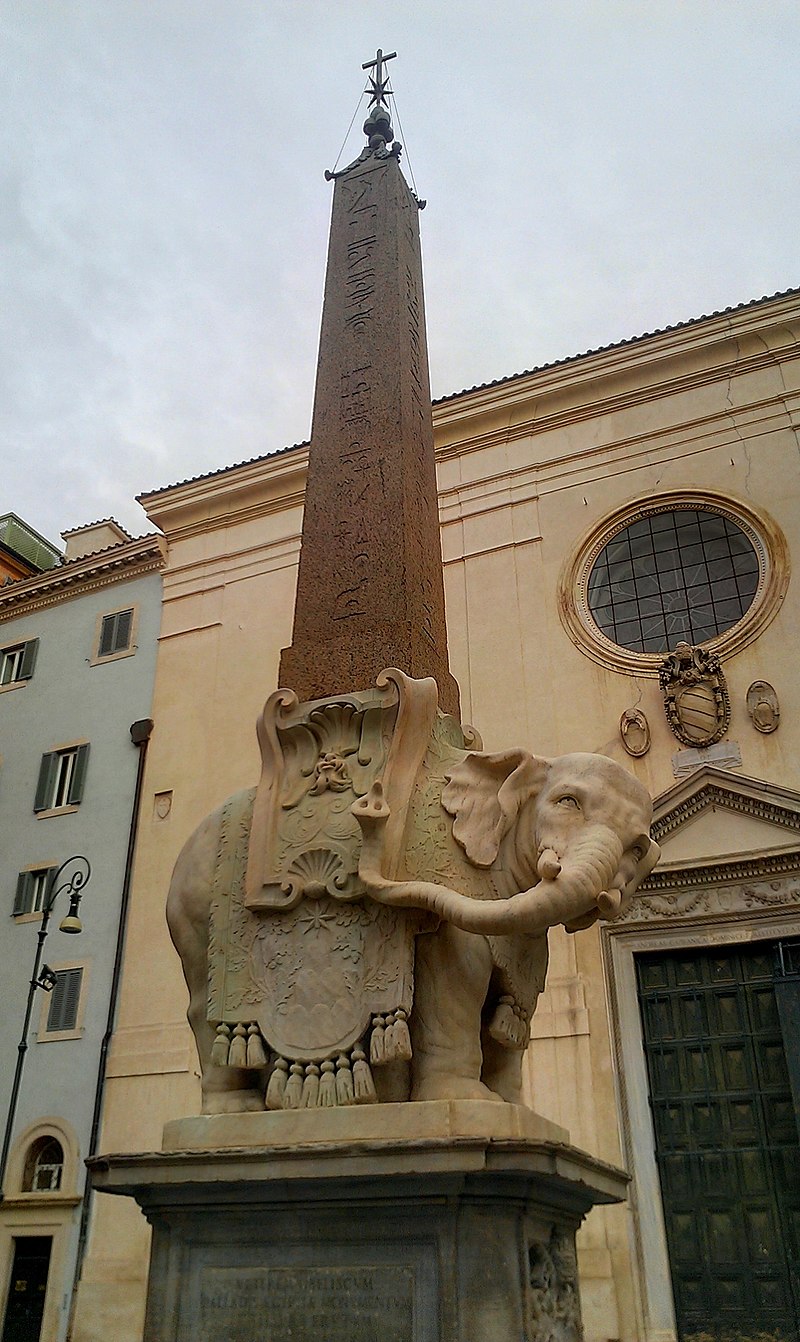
(27,1289)
(726,1141)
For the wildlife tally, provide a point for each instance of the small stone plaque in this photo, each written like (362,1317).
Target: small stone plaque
(298,1304)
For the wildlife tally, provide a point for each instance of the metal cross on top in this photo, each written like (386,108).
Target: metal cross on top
(380,79)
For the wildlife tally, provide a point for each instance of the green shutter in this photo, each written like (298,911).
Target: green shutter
(115,633)
(22,900)
(107,634)
(78,776)
(123,639)
(47,776)
(63,1012)
(29,659)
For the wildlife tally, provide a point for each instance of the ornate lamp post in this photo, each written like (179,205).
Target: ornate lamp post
(43,976)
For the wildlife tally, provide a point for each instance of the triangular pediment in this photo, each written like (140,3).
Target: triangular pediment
(714,816)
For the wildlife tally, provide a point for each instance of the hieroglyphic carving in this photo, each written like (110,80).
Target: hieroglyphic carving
(362,213)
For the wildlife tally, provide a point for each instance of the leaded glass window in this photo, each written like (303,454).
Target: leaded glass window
(685,574)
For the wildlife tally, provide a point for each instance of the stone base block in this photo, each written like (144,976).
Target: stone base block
(449,1234)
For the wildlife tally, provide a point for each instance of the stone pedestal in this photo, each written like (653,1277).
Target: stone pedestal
(437,1222)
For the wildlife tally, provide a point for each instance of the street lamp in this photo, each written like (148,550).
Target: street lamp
(43,976)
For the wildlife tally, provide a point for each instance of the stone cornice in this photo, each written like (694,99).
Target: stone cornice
(270,484)
(708,350)
(129,560)
(734,792)
(696,875)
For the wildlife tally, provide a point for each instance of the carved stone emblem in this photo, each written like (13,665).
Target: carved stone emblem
(695,695)
(763,707)
(635,732)
(553,1306)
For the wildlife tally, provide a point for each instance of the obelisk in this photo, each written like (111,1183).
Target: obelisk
(370,589)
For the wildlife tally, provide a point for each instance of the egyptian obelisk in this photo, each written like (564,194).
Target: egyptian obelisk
(370,590)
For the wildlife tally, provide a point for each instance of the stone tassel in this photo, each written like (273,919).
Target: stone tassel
(220,1046)
(310,1087)
(256,1057)
(237,1056)
(327,1085)
(344,1080)
(293,1094)
(276,1089)
(377,1042)
(363,1085)
(396,1039)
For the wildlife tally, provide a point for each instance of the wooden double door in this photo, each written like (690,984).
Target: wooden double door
(722,1041)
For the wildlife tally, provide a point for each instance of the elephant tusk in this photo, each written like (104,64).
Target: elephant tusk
(609,903)
(548,866)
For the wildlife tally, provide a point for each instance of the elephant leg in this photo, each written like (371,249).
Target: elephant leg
(451,980)
(502,1069)
(224,1089)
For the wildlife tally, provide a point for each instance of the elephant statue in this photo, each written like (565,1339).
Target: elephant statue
(362,838)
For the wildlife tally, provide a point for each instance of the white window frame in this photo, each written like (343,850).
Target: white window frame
(57,802)
(13,658)
(36,869)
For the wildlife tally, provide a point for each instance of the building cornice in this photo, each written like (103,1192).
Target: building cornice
(135,557)
(266,485)
(585,387)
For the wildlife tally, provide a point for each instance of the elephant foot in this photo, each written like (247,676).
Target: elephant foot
(443,1087)
(233,1102)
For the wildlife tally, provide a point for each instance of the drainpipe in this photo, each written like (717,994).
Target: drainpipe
(140,736)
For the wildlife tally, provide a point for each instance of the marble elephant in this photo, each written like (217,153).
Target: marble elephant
(535,843)
(513,845)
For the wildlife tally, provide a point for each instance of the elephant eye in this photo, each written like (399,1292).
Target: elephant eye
(571,802)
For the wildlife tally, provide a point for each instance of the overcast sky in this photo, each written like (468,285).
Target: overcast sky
(593,169)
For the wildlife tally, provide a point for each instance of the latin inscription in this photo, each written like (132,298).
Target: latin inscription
(323,1304)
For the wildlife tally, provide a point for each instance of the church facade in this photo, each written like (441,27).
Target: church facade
(595,515)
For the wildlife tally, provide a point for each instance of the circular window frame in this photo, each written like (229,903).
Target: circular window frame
(764,535)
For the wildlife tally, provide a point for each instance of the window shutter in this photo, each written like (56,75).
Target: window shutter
(47,776)
(123,638)
(22,901)
(28,659)
(63,1013)
(115,633)
(78,776)
(107,631)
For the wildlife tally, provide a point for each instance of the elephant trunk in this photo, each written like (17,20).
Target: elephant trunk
(580,886)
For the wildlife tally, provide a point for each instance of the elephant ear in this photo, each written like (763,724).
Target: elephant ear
(484,794)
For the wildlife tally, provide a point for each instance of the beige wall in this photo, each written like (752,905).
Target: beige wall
(528,470)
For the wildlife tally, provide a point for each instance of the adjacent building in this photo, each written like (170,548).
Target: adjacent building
(78,639)
(595,515)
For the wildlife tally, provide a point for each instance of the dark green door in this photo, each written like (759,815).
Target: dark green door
(27,1288)
(726,1141)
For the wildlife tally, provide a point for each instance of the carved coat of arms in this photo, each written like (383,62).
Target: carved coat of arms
(695,695)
